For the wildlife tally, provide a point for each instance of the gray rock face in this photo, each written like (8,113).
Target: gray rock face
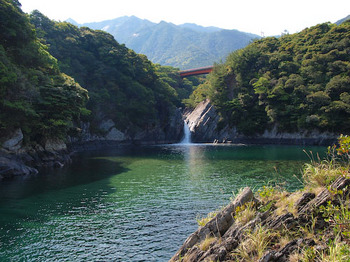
(170,132)
(109,129)
(14,141)
(55,145)
(112,133)
(204,120)
(115,135)
(174,130)
(107,125)
(12,166)
(18,160)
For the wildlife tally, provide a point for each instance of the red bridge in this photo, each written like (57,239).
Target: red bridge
(196,71)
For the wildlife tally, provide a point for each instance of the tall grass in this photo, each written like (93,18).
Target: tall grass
(255,244)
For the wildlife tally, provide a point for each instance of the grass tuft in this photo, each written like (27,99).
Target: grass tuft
(323,173)
(205,244)
(255,244)
(245,213)
(202,221)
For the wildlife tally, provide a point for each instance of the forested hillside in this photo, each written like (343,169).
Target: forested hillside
(40,57)
(122,85)
(35,95)
(295,82)
(184,46)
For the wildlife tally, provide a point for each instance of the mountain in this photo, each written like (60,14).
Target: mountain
(200,28)
(343,20)
(183,46)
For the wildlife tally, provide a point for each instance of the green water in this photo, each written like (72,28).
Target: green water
(132,204)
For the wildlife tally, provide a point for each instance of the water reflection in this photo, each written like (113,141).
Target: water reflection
(83,171)
(195,159)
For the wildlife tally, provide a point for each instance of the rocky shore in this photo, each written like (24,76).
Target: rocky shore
(19,159)
(275,226)
(204,122)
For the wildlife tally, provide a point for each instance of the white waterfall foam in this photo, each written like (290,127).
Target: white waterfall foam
(187,134)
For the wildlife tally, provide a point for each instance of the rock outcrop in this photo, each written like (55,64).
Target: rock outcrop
(18,160)
(13,142)
(226,238)
(205,126)
(171,132)
(11,165)
(110,136)
(216,227)
(203,121)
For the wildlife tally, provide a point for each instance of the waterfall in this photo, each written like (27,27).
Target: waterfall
(187,134)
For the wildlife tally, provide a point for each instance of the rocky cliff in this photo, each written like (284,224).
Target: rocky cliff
(17,159)
(207,127)
(109,135)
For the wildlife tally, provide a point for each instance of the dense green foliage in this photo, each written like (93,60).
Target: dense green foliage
(183,87)
(295,82)
(183,46)
(37,59)
(34,94)
(123,86)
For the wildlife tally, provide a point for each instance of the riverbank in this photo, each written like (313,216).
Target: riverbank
(311,224)
(29,160)
(207,126)
(18,158)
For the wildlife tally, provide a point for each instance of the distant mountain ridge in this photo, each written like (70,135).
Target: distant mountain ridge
(343,20)
(183,46)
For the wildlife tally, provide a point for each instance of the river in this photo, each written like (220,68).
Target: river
(133,203)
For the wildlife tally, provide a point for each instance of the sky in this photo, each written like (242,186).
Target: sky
(267,17)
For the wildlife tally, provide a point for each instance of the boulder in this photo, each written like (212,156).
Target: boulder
(115,135)
(112,133)
(11,166)
(107,125)
(13,142)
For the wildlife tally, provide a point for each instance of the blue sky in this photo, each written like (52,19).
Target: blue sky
(254,16)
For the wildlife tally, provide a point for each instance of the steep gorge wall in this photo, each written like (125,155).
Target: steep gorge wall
(110,135)
(18,159)
(203,122)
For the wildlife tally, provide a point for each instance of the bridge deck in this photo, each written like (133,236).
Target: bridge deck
(196,71)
